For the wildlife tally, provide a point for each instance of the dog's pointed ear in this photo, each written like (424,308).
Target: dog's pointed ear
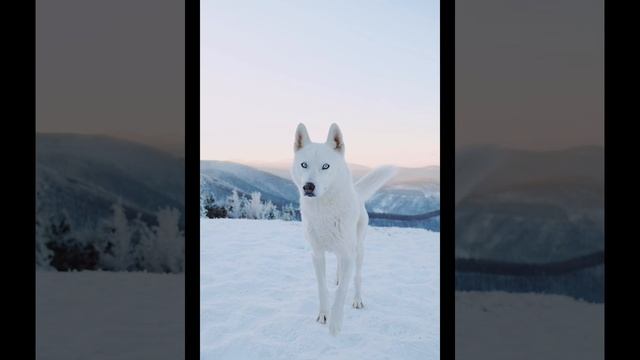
(301,138)
(335,139)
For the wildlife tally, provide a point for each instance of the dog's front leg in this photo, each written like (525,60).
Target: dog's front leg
(337,311)
(319,265)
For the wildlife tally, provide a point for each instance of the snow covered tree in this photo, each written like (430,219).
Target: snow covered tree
(65,249)
(118,256)
(212,210)
(270,211)
(255,207)
(288,213)
(168,254)
(43,253)
(203,200)
(235,205)
(143,240)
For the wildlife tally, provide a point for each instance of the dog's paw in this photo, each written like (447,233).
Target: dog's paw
(357,303)
(322,318)
(335,319)
(335,325)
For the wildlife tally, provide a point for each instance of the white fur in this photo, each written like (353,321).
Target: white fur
(335,219)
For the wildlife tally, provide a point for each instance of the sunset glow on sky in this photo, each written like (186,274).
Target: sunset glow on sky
(371,67)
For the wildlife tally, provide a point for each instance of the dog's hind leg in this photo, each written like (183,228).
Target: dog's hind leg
(319,265)
(357,280)
(337,311)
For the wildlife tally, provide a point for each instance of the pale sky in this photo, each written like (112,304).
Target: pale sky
(537,86)
(103,70)
(370,66)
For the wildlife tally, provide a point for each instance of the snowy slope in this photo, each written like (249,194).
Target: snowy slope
(503,326)
(109,315)
(405,199)
(259,295)
(220,178)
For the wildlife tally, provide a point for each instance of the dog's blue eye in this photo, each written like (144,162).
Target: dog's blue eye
(325,166)
(304,165)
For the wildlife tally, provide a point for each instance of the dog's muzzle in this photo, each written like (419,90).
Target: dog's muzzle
(308,189)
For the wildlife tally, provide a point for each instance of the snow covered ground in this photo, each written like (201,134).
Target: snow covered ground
(504,326)
(109,315)
(259,295)
(259,301)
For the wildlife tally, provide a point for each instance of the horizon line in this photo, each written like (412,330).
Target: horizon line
(284,162)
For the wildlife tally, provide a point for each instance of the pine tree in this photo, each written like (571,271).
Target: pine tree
(43,253)
(120,237)
(235,205)
(67,252)
(143,244)
(271,211)
(203,199)
(288,213)
(255,207)
(169,244)
(212,210)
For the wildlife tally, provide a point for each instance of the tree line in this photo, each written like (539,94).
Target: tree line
(118,243)
(237,206)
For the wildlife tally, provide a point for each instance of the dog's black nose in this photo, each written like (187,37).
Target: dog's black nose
(308,187)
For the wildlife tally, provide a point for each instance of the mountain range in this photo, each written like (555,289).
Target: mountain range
(413,191)
(529,206)
(84,175)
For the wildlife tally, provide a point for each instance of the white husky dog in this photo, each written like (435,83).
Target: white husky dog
(333,214)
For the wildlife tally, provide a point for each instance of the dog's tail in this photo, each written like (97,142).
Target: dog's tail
(374,180)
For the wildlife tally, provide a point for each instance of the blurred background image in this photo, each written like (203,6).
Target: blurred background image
(529,188)
(110,180)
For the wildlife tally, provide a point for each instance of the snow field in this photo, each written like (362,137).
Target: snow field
(259,295)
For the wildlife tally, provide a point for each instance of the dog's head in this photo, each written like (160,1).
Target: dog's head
(316,166)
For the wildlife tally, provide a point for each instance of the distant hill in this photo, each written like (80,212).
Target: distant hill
(420,193)
(529,206)
(424,174)
(85,174)
(220,178)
